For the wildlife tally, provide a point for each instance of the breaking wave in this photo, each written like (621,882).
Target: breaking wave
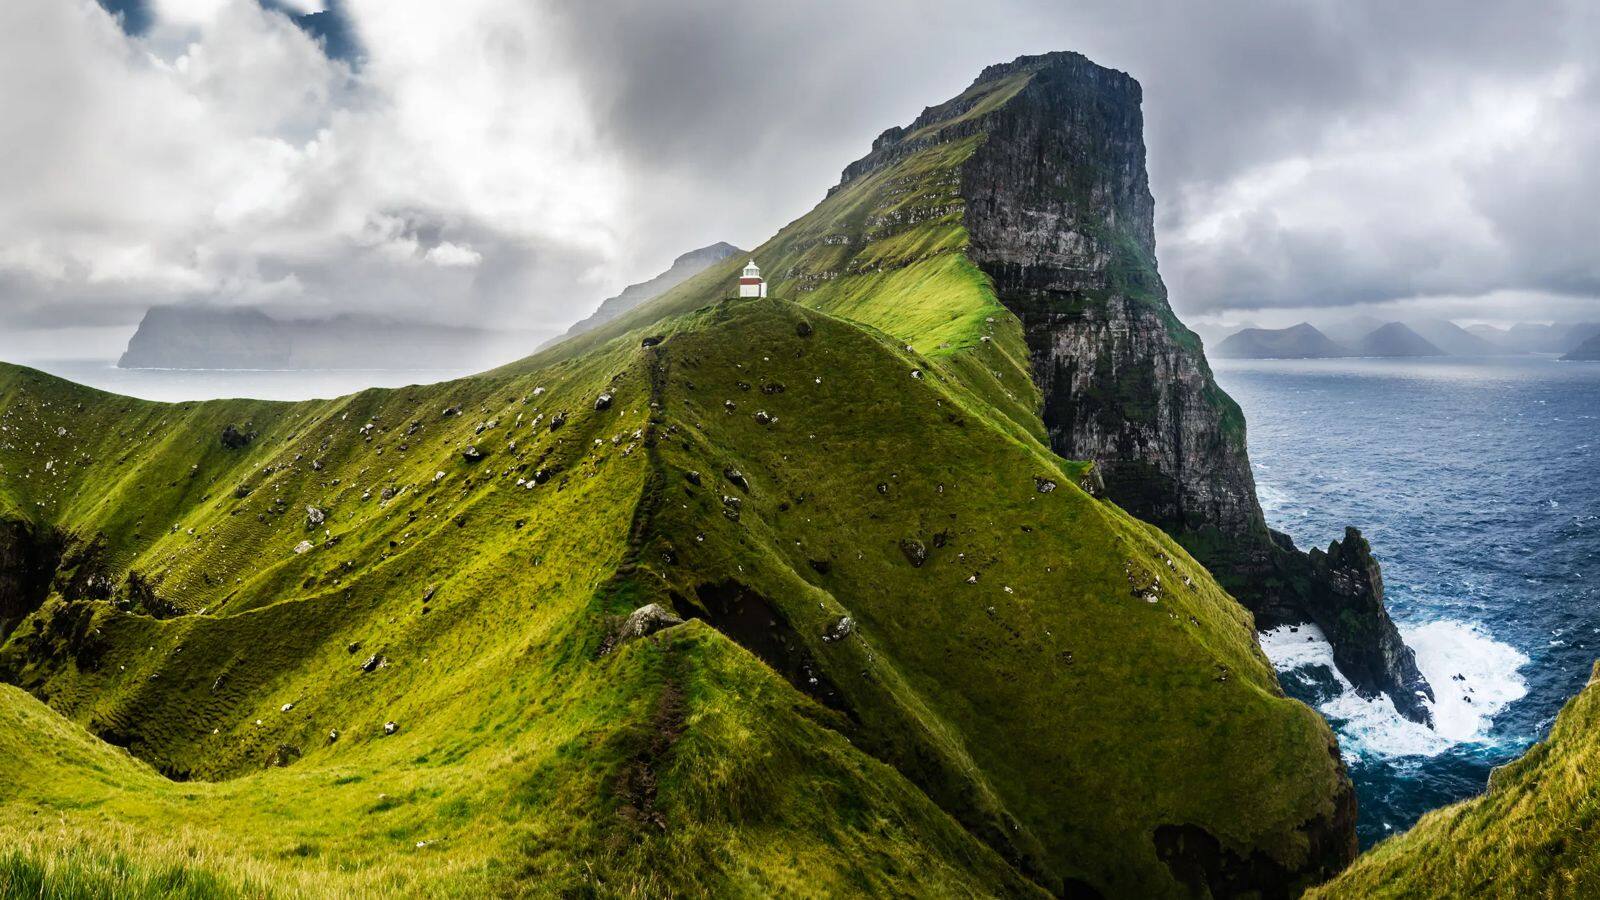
(1473,676)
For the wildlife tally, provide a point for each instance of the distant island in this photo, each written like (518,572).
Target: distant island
(195,336)
(1301,341)
(1367,337)
(1588,351)
(1396,340)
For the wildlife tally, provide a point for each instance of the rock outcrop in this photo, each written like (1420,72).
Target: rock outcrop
(1060,217)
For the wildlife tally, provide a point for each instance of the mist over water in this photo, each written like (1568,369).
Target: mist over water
(177,385)
(1478,484)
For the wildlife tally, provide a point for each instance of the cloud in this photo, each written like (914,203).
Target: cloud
(511,161)
(448,254)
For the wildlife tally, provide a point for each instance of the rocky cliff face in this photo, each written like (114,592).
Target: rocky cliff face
(1060,216)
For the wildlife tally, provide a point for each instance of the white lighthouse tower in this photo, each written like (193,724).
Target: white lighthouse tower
(750,283)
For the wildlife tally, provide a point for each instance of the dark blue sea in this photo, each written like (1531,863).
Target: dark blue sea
(1478,484)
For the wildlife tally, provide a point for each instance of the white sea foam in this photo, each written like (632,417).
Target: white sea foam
(1463,709)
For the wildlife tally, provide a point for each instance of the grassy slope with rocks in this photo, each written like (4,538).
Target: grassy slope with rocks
(1534,833)
(1036,728)
(959,727)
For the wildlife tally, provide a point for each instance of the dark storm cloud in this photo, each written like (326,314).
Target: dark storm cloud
(776,99)
(512,161)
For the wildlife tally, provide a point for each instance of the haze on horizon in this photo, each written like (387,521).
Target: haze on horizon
(511,163)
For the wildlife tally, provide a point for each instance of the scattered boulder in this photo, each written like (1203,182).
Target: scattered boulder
(645,621)
(729,405)
(374,663)
(303,547)
(333,735)
(390,728)
(1043,485)
(736,478)
(764,418)
(603,401)
(451,411)
(730,507)
(692,477)
(558,420)
(652,340)
(315,517)
(472,453)
(283,757)
(842,627)
(916,552)
(917,374)
(803,328)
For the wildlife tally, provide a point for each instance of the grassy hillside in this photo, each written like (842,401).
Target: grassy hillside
(981,727)
(885,250)
(1534,833)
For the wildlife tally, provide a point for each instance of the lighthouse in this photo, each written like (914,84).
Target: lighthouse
(750,283)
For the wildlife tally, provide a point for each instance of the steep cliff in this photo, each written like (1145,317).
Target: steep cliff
(1061,218)
(1008,235)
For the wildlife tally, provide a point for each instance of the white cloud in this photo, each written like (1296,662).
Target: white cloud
(222,152)
(448,254)
(514,160)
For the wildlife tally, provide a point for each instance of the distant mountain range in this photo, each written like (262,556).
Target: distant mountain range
(1369,337)
(1302,341)
(196,336)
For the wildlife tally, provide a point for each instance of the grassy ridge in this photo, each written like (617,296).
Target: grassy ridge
(1031,683)
(526,761)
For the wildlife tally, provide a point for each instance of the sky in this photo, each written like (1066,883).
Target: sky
(512,162)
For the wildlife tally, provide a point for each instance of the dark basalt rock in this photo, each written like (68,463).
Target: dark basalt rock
(29,558)
(1348,607)
(645,621)
(915,551)
(1060,216)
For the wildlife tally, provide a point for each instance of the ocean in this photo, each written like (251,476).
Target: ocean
(1478,484)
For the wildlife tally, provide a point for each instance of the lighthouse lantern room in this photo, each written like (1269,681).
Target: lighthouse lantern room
(750,283)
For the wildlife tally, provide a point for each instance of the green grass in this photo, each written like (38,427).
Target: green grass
(1011,736)
(976,722)
(1534,833)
